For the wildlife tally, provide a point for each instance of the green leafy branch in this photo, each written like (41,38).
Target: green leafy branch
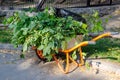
(44,30)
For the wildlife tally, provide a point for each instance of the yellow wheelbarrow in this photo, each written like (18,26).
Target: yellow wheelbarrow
(82,44)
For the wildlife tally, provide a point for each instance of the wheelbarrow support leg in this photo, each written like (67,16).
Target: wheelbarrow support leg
(81,57)
(67,63)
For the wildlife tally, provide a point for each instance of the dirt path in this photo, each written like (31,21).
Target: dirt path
(114,22)
(14,68)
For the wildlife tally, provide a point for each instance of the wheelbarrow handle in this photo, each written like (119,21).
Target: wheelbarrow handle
(114,33)
(97,34)
(107,34)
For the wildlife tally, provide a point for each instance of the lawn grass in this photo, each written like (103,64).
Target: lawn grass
(104,49)
(5,36)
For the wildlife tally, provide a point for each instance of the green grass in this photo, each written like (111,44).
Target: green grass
(5,36)
(104,49)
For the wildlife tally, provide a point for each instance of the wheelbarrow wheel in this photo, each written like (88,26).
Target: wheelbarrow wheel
(40,55)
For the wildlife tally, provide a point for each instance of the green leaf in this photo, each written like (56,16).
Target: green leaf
(10,19)
(51,44)
(46,41)
(84,54)
(32,25)
(64,45)
(74,56)
(22,16)
(84,26)
(59,36)
(25,47)
(41,47)
(96,14)
(46,50)
(12,25)
(25,31)
(49,57)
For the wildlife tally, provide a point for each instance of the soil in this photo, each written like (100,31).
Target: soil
(12,67)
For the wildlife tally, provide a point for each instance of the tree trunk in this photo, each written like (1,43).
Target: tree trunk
(88,2)
(110,2)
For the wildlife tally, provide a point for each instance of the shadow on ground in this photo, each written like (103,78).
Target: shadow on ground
(105,48)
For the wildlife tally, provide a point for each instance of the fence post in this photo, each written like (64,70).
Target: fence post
(88,2)
(110,2)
